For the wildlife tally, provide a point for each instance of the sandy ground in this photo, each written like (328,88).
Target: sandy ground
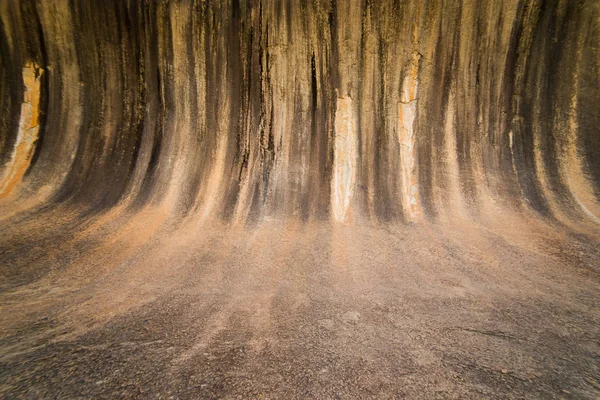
(133,307)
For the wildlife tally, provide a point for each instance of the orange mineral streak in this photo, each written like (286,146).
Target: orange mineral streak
(28,130)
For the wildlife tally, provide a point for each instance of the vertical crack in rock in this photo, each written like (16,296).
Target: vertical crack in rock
(28,130)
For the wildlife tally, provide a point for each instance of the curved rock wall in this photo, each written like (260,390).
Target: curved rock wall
(351,110)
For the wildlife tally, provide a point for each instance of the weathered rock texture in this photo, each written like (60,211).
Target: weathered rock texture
(344,110)
(299,198)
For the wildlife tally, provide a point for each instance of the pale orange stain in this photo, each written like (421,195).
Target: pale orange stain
(407,110)
(28,130)
(344,159)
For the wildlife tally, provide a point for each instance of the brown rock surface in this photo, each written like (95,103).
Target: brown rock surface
(300,199)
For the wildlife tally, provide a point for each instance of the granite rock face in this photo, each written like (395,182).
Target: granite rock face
(344,110)
(299,199)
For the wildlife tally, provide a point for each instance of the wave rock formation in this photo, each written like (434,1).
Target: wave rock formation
(347,110)
(237,136)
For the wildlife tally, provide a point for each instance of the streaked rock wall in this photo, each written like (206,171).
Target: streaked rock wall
(349,110)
